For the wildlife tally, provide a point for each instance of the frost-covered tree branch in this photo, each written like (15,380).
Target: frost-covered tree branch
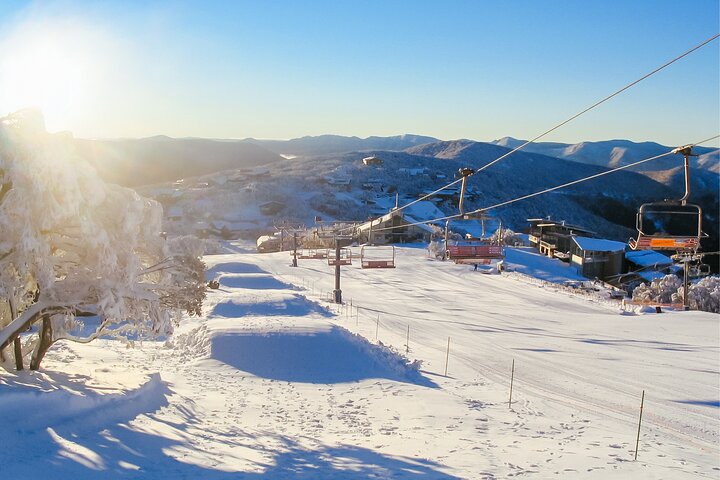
(73,244)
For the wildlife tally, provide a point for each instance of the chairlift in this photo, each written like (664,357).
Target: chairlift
(695,266)
(312,254)
(380,256)
(483,250)
(345,257)
(699,270)
(670,224)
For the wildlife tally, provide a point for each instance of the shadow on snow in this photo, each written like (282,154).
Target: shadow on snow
(232,267)
(332,356)
(257,282)
(297,305)
(105,444)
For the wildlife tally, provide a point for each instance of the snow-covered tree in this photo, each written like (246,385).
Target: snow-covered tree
(703,295)
(73,246)
(506,236)
(660,290)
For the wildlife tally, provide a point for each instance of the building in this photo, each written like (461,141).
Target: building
(596,257)
(554,239)
(413,172)
(393,227)
(372,161)
(645,266)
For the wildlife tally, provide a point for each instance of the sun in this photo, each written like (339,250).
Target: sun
(52,69)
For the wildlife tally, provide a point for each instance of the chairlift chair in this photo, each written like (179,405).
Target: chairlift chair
(345,257)
(670,224)
(483,250)
(381,256)
(312,254)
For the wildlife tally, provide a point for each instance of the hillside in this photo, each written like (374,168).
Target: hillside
(324,144)
(134,162)
(303,189)
(272,382)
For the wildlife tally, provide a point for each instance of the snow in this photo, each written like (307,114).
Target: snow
(599,245)
(528,261)
(273,382)
(648,258)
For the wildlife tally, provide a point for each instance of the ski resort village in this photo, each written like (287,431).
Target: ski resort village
(186,295)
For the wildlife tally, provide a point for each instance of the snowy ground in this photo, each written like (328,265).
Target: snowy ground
(274,382)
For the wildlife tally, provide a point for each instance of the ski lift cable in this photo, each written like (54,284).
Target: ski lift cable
(591,177)
(547,190)
(600,102)
(565,122)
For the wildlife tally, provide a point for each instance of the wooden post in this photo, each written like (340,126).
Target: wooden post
(357,316)
(637,441)
(377,327)
(407,342)
(447,356)
(512,379)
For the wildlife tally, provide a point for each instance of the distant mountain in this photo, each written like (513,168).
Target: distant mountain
(535,171)
(144,161)
(615,153)
(326,144)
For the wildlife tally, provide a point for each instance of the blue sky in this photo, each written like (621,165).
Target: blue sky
(450,69)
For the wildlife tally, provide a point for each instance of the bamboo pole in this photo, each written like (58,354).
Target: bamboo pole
(512,379)
(637,441)
(377,327)
(407,341)
(447,356)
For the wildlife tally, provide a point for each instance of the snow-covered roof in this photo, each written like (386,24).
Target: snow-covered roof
(421,226)
(647,258)
(599,244)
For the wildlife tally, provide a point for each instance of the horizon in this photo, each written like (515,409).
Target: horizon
(705,145)
(458,70)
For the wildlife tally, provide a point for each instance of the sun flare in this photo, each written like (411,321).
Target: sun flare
(53,70)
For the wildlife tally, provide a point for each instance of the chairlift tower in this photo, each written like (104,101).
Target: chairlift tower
(340,240)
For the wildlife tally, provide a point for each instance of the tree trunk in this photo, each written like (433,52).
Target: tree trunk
(44,343)
(18,354)
(16,343)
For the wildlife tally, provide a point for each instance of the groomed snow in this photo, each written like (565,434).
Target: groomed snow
(273,382)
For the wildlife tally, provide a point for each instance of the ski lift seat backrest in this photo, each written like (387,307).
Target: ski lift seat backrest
(475,253)
(377,256)
(345,257)
(668,226)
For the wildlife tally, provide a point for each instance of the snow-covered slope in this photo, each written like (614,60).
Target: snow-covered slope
(324,144)
(275,383)
(614,153)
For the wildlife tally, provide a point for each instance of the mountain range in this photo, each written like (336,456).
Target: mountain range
(616,153)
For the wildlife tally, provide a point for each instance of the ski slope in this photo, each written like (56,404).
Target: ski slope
(274,382)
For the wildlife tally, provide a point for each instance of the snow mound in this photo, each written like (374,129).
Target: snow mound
(252,281)
(190,345)
(232,267)
(326,356)
(293,305)
(33,410)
